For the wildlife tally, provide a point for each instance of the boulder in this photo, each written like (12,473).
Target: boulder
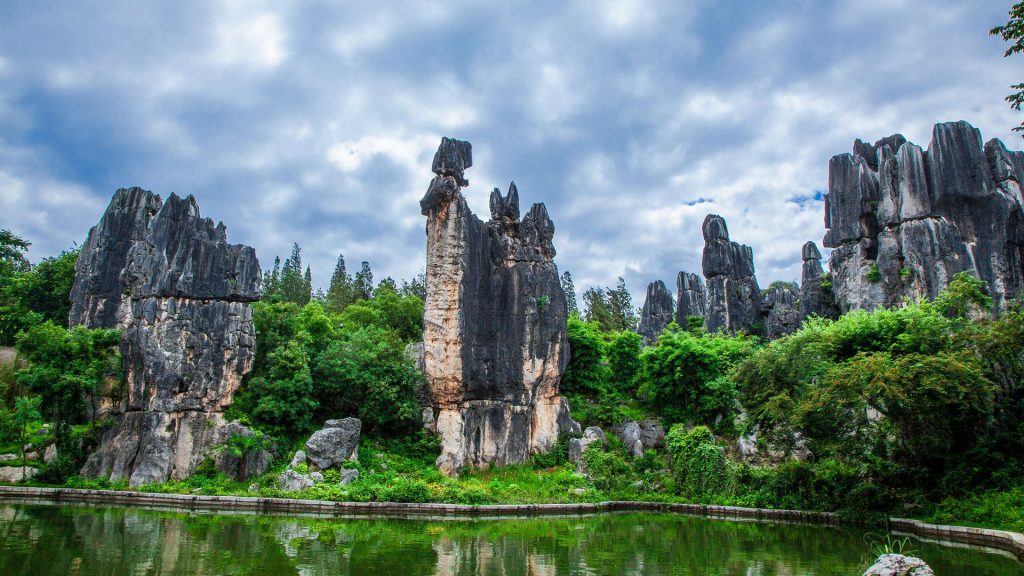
(494,336)
(51,454)
(13,474)
(292,481)
(337,442)
(577,446)
(179,292)
(298,459)
(348,476)
(899,565)
(657,312)
(629,433)
(652,434)
(256,462)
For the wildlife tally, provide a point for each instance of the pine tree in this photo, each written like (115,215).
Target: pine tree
(570,294)
(272,282)
(294,287)
(595,308)
(363,283)
(416,287)
(620,303)
(339,293)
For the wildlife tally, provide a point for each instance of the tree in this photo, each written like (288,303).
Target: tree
(272,283)
(46,289)
(294,286)
(340,292)
(595,308)
(620,303)
(415,287)
(586,372)
(26,411)
(363,282)
(241,446)
(1013,31)
(570,294)
(624,359)
(12,252)
(282,397)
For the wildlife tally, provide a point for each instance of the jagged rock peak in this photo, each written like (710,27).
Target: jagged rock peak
(904,225)
(733,301)
(810,252)
(452,158)
(505,209)
(690,297)
(656,313)
(714,228)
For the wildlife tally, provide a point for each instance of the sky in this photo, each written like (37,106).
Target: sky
(316,122)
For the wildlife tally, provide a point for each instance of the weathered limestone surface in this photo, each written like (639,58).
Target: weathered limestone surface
(494,335)
(169,279)
(781,311)
(733,301)
(690,297)
(899,565)
(902,221)
(815,297)
(337,442)
(656,313)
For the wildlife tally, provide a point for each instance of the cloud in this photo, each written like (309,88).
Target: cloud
(316,122)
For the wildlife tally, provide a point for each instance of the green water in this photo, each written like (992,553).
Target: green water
(40,540)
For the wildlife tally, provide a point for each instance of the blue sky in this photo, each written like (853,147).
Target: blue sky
(315,122)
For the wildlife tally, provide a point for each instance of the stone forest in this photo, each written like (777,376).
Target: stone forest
(885,385)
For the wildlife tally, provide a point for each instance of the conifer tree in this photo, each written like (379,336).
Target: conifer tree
(363,283)
(570,294)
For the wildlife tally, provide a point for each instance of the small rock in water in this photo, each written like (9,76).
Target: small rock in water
(899,565)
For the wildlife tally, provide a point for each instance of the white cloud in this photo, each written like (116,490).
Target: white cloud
(255,40)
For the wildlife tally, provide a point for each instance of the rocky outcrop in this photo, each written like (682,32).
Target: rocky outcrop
(781,311)
(256,462)
(336,443)
(168,278)
(815,286)
(656,313)
(494,332)
(903,221)
(690,297)
(899,565)
(733,301)
(637,437)
(577,446)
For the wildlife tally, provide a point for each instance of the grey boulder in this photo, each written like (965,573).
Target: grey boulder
(899,565)
(292,481)
(336,443)
(577,446)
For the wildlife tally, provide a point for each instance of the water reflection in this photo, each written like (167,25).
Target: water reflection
(42,540)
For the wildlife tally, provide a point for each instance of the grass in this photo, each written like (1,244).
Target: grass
(997,509)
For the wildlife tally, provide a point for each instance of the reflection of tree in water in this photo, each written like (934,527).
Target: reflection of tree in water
(42,540)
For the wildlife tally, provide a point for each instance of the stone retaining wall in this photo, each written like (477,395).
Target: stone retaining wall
(1008,541)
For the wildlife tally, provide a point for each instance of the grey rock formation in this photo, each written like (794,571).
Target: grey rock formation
(733,301)
(577,446)
(690,297)
(256,462)
(336,443)
(292,481)
(348,476)
(13,474)
(629,434)
(815,286)
(781,311)
(899,565)
(494,333)
(169,279)
(656,313)
(652,434)
(298,459)
(902,221)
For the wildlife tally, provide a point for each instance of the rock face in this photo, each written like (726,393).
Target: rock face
(781,311)
(656,313)
(256,462)
(577,446)
(169,279)
(494,336)
(690,297)
(815,287)
(899,565)
(902,221)
(733,301)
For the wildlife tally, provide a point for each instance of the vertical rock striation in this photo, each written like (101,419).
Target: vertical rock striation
(168,278)
(656,313)
(815,285)
(781,311)
(902,221)
(690,297)
(494,335)
(733,299)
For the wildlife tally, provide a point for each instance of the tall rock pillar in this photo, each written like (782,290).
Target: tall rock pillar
(733,296)
(494,330)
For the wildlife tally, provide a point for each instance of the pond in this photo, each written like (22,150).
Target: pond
(46,539)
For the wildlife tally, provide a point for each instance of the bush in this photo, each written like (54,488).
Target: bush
(404,489)
(586,372)
(699,463)
(624,359)
(281,399)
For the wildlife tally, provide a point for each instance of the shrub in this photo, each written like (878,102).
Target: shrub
(699,463)
(586,372)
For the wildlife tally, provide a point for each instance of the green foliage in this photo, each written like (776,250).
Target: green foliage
(699,463)
(610,308)
(695,325)
(241,446)
(624,360)
(873,274)
(586,372)
(783,284)
(684,378)
(367,373)
(570,294)
(964,295)
(64,367)
(281,398)
(26,411)
(31,295)
(826,281)
(401,314)
(906,273)
(1013,32)
(609,470)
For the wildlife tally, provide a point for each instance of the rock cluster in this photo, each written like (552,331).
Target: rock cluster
(690,297)
(733,300)
(902,221)
(815,285)
(330,447)
(494,336)
(656,313)
(577,446)
(781,310)
(639,436)
(180,293)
